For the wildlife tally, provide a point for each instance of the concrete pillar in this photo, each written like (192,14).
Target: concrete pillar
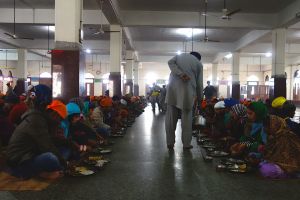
(115,59)
(129,72)
(235,76)
(214,74)
(68,14)
(136,78)
(278,61)
(22,64)
(68,59)
(21,72)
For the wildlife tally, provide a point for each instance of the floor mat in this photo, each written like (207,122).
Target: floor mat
(11,183)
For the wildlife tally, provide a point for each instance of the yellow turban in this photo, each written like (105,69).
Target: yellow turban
(278,102)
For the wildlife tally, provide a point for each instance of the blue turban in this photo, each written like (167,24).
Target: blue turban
(230,102)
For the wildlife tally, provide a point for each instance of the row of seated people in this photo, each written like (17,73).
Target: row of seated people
(264,134)
(42,136)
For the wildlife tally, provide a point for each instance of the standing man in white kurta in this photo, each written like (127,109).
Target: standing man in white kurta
(185,85)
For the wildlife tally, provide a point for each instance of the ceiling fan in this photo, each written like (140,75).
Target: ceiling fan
(227,13)
(14,36)
(205,39)
(101,30)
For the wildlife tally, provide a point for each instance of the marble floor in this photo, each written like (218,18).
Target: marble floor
(143,169)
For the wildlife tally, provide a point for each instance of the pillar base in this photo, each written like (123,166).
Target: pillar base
(136,90)
(279,86)
(115,78)
(235,93)
(68,68)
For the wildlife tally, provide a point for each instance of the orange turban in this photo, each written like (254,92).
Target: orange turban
(59,107)
(106,102)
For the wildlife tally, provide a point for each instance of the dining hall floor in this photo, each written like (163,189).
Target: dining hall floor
(142,168)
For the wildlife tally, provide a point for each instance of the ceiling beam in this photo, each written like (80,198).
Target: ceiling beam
(195,19)
(112,12)
(249,38)
(46,16)
(172,47)
(287,17)
(165,59)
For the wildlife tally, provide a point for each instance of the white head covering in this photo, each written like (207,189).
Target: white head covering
(123,102)
(220,104)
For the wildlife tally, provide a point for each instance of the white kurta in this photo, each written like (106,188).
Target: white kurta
(179,93)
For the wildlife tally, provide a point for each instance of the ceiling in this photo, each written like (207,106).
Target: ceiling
(44,4)
(150,40)
(292,36)
(253,6)
(38,31)
(171,34)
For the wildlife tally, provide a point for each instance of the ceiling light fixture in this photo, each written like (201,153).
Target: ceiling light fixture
(268,55)
(188,32)
(179,52)
(228,56)
(88,51)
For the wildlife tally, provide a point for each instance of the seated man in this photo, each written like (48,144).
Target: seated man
(31,150)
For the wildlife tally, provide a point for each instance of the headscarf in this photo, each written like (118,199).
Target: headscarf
(239,109)
(260,110)
(278,102)
(78,101)
(73,108)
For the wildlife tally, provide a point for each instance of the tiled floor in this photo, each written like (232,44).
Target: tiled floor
(143,169)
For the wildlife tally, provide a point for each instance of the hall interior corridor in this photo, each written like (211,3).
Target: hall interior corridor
(142,168)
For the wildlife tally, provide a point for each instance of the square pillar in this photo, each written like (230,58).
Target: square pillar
(129,72)
(136,88)
(68,73)
(236,76)
(115,60)
(278,61)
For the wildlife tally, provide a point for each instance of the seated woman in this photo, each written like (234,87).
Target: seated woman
(238,121)
(282,151)
(254,135)
(31,150)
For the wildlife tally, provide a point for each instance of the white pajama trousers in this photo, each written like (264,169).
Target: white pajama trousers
(186,125)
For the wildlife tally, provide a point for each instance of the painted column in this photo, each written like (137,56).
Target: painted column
(115,59)
(68,58)
(129,72)
(235,76)
(136,78)
(278,62)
